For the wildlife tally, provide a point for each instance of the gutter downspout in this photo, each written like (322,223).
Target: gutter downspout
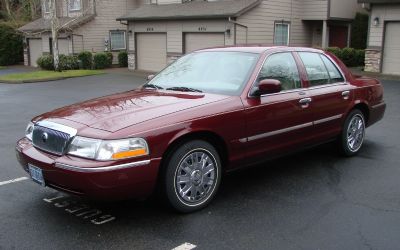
(238,24)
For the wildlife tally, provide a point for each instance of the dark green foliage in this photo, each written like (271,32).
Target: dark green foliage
(101,60)
(110,59)
(351,57)
(11,46)
(68,62)
(359,31)
(123,59)
(46,62)
(86,59)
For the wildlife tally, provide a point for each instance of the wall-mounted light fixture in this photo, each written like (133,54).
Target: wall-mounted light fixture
(376,21)
(228,32)
(130,32)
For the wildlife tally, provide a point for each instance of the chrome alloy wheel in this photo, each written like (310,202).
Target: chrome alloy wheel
(355,133)
(195,177)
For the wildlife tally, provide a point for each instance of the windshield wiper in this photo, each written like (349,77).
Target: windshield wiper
(186,89)
(152,86)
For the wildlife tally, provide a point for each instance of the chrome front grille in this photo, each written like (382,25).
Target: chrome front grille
(52,137)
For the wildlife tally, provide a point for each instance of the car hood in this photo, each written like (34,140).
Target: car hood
(118,111)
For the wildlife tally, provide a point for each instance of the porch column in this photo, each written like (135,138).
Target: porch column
(324,43)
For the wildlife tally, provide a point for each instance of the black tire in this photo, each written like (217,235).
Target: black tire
(344,142)
(193,176)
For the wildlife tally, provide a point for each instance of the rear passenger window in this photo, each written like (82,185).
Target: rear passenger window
(334,73)
(315,67)
(281,67)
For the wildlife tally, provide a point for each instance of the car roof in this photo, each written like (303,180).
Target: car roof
(258,49)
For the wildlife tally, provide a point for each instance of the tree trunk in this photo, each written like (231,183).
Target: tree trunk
(7,6)
(32,5)
(54,33)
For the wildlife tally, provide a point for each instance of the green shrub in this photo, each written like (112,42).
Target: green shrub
(68,62)
(46,62)
(359,31)
(110,58)
(351,57)
(11,45)
(123,59)
(101,60)
(86,59)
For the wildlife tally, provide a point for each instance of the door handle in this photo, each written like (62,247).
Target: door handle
(305,101)
(346,94)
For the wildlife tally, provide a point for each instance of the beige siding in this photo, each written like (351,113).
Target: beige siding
(241,35)
(97,30)
(314,9)
(344,8)
(385,13)
(261,21)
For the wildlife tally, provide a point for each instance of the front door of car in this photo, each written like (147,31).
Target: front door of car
(330,94)
(280,121)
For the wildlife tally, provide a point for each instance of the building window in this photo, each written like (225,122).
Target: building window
(46,6)
(281,33)
(118,40)
(74,5)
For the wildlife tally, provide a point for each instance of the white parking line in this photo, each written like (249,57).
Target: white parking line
(185,246)
(14,180)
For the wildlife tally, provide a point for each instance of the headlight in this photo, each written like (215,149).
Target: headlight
(105,150)
(29,131)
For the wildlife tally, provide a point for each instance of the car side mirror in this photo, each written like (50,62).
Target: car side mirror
(149,77)
(268,86)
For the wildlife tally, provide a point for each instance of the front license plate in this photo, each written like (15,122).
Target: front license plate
(36,174)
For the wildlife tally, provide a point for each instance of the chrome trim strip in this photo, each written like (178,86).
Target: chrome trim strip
(285,130)
(58,127)
(101,169)
(378,105)
(327,119)
(280,131)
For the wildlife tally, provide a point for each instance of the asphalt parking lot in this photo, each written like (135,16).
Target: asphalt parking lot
(311,200)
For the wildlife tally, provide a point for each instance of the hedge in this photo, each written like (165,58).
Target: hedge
(46,62)
(68,62)
(101,60)
(110,59)
(86,59)
(64,62)
(123,59)
(351,57)
(11,45)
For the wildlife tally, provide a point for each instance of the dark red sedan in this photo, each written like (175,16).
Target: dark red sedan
(211,111)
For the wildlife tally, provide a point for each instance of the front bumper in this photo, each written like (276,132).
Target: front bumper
(94,179)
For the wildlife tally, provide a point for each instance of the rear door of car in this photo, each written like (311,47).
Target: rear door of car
(330,94)
(276,123)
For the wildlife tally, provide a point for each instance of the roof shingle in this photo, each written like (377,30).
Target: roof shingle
(43,24)
(190,10)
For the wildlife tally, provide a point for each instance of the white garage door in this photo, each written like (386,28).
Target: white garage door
(151,51)
(35,51)
(195,41)
(391,51)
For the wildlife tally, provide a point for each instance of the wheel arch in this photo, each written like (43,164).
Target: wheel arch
(211,137)
(363,107)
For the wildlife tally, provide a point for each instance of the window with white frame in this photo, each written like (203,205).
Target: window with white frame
(74,5)
(118,40)
(281,33)
(46,6)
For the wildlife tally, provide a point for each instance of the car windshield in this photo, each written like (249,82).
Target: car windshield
(211,72)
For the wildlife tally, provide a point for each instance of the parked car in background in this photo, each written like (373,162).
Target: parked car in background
(212,111)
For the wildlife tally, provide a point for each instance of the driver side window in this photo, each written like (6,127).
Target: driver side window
(281,67)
